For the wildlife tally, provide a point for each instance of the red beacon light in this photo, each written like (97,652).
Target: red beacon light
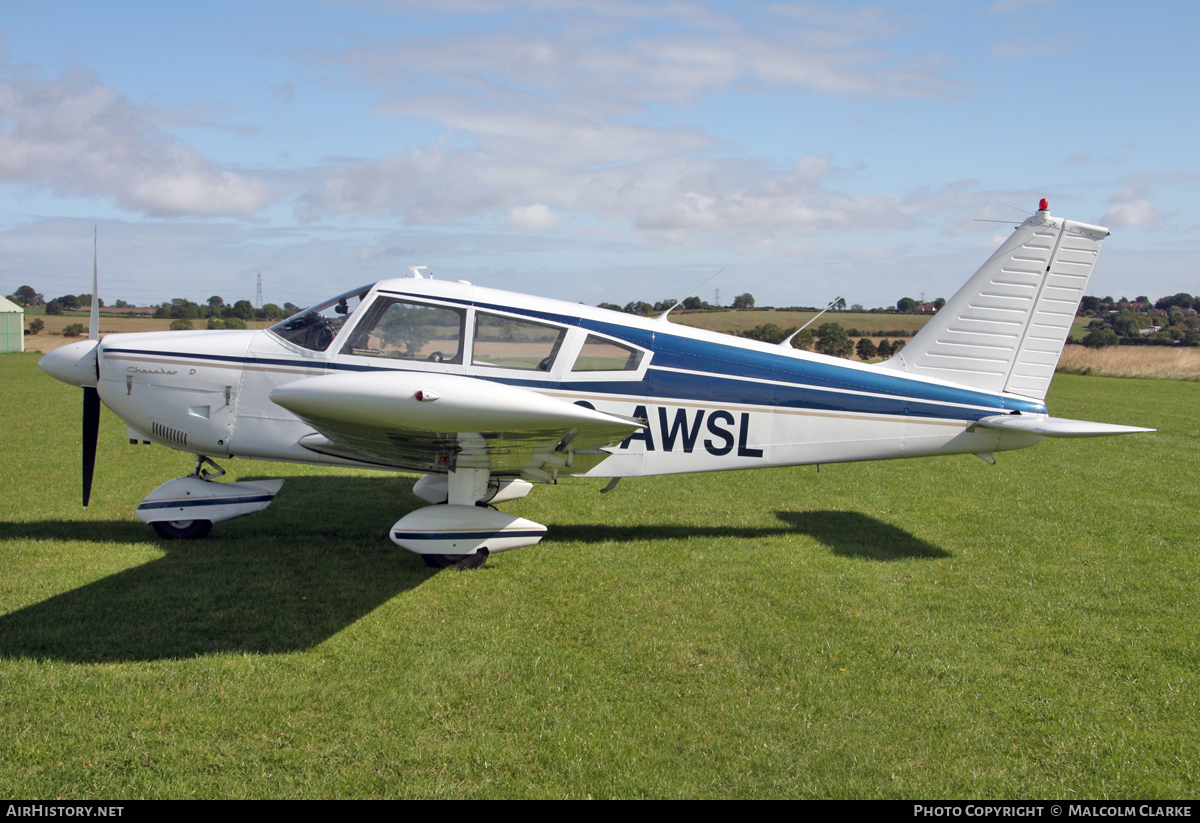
(1044,205)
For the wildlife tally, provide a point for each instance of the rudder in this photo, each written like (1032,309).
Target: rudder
(1005,329)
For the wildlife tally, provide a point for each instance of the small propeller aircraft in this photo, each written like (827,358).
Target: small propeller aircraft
(487,392)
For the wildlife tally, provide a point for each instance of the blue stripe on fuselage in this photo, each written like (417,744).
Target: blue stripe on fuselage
(675,351)
(718,391)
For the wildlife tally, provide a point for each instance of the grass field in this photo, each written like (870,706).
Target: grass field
(927,629)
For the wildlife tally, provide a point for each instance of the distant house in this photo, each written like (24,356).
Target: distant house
(12,326)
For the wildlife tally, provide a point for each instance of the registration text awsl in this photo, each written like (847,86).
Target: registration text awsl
(682,432)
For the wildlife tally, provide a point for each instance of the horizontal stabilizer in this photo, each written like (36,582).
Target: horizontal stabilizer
(1055,426)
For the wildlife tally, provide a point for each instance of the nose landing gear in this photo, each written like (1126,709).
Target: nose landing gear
(182,529)
(187,507)
(461,562)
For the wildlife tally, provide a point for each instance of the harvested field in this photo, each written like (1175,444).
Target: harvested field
(51,337)
(1146,362)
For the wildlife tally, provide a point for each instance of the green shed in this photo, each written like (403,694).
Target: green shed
(12,326)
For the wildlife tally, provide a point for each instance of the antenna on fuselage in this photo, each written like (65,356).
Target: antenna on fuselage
(787,344)
(416,272)
(663,316)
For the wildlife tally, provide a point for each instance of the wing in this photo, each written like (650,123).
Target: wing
(442,422)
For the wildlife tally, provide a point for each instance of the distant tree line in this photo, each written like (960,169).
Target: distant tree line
(906,305)
(743,302)
(828,338)
(215,310)
(26,296)
(1169,321)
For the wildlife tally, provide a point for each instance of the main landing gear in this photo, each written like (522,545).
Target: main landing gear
(462,534)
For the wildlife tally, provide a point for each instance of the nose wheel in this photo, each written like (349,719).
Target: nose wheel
(182,529)
(461,562)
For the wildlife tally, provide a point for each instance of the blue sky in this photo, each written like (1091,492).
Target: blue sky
(602,151)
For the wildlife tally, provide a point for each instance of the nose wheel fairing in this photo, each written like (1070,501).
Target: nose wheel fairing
(196,498)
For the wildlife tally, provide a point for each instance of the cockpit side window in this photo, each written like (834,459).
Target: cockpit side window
(599,354)
(511,343)
(315,328)
(400,329)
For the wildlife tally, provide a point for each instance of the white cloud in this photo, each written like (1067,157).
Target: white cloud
(667,200)
(1131,212)
(1018,48)
(564,121)
(75,135)
(535,217)
(990,244)
(629,59)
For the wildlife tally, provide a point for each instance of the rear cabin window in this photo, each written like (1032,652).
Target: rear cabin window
(599,354)
(402,330)
(509,343)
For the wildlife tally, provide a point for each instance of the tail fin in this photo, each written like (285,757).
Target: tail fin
(1005,329)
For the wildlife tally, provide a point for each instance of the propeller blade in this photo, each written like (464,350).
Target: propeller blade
(91,431)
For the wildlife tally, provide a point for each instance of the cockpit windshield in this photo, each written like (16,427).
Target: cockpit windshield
(316,327)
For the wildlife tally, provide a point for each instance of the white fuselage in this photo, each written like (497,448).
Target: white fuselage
(711,401)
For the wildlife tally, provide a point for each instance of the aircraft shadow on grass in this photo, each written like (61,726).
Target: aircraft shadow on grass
(846,534)
(261,586)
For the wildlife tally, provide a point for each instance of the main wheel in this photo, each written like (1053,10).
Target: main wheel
(456,561)
(182,529)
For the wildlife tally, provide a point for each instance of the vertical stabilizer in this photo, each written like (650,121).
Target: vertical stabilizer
(1005,329)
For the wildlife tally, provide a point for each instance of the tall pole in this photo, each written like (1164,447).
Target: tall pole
(94,315)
